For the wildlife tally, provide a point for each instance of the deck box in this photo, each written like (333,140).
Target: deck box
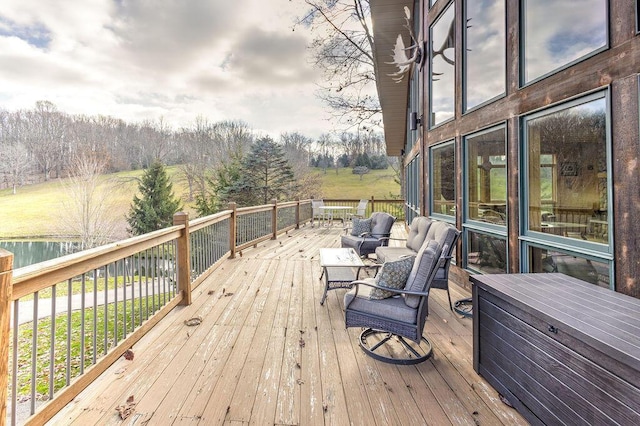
(560,350)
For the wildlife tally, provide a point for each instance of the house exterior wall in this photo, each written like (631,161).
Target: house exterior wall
(584,220)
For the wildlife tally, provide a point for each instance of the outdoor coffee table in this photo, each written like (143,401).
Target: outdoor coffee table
(340,266)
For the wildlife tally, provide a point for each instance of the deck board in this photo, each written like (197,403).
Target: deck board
(267,352)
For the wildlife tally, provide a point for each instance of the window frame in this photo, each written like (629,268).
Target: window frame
(431,212)
(594,250)
(431,119)
(465,108)
(521,47)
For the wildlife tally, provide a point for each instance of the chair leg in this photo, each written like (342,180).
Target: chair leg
(380,345)
(449,296)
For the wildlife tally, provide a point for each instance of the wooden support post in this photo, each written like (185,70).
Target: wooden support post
(6,272)
(274,219)
(184,258)
(233,229)
(373,204)
(298,213)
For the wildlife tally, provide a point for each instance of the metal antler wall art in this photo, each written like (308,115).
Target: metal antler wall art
(405,57)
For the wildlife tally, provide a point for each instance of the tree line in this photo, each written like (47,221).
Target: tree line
(43,143)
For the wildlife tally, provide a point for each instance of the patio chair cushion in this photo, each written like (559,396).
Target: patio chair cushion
(361,226)
(393,274)
(381,224)
(416,236)
(391,307)
(422,265)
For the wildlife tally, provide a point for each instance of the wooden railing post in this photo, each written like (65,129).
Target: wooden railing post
(233,229)
(274,219)
(6,272)
(184,258)
(373,204)
(298,213)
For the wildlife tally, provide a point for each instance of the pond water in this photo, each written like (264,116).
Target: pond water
(29,252)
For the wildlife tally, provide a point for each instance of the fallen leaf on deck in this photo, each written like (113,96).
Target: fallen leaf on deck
(193,321)
(302,343)
(128,355)
(210,292)
(128,409)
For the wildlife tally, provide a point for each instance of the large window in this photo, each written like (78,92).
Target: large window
(485,46)
(412,188)
(567,188)
(442,55)
(485,201)
(443,180)
(557,33)
(486,176)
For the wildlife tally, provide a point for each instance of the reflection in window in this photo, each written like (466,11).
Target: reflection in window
(486,253)
(443,182)
(413,188)
(557,33)
(567,176)
(553,260)
(487,176)
(485,44)
(442,56)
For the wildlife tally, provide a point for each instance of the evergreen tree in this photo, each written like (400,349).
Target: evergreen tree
(157,204)
(266,174)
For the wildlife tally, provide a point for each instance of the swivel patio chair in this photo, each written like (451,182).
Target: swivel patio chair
(392,307)
(368,234)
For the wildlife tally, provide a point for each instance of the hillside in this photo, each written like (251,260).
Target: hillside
(35,210)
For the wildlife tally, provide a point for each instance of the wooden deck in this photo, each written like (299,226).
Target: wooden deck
(266,352)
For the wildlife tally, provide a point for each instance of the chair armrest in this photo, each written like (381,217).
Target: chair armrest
(392,290)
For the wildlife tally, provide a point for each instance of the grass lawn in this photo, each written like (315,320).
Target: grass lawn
(33,213)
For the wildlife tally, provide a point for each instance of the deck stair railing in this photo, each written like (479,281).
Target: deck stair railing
(65,321)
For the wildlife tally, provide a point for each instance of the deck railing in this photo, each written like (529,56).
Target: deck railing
(63,322)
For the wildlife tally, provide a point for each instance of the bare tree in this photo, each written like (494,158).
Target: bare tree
(297,150)
(87,213)
(343,50)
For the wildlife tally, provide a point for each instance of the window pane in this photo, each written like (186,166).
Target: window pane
(487,176)
(567,172)
(485,45)
(442,57)
(443,180)
(557,33)
(486,253)
(552,260)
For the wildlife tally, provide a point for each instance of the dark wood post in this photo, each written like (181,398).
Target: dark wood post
(184,258)
(6,290)
(274,219)
(233,229)
(298,213)
(373,204)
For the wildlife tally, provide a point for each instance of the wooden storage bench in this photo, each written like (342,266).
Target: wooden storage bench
(561,351)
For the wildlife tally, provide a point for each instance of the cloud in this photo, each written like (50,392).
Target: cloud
(269,58)
(175,59)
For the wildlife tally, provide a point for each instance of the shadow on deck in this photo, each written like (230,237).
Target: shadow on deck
(266,352)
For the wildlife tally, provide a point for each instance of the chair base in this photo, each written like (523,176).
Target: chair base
(394,349)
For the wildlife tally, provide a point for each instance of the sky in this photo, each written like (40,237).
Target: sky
(173,60)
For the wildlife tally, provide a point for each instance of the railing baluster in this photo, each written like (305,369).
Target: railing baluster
(94,342)
(124,298)
(82,320)
(139,290)
(115,303)
(34,354)
(52,348)
(69,309)
(105,319)
(14,357)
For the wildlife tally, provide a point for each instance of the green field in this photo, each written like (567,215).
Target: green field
(35,210)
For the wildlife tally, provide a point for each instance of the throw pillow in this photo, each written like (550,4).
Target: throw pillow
(393,274)
(360,226)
